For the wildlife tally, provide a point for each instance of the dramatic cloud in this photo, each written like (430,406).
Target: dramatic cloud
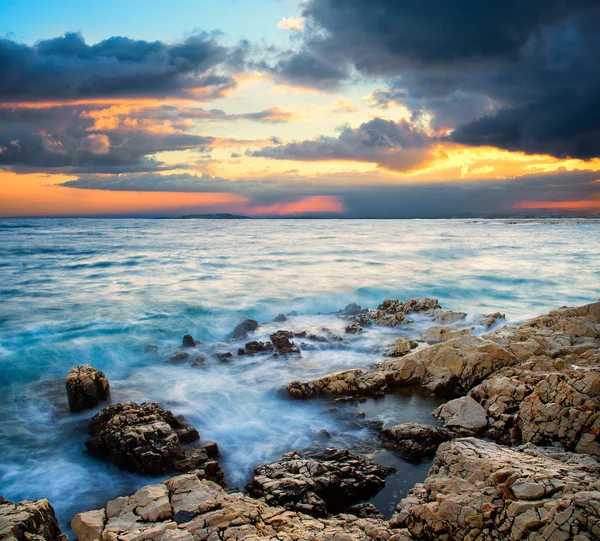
(516,62)
(392,145)
(67,67)
(383,197)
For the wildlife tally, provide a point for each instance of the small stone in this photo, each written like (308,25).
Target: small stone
(86,387)
(188,341)
(183,516)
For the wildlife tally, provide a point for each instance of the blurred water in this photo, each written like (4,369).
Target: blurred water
(99,291)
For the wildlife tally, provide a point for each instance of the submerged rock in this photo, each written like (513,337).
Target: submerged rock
(414,440)
(318,484)
(244,327)
(354,328)
(86,387)
(283,344)
(178,358)
(147,439)
(280,318)
(479,490)
(258,347)
(29,521)
(186,508)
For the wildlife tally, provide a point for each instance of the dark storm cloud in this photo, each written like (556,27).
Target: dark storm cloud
(401,200)
(394,145)
(67,67)
(459,60)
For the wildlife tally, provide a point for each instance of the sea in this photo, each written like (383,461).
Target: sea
(99,291)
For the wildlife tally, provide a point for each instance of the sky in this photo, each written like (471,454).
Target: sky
(313,108)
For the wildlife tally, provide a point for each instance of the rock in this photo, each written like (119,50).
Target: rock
(201,511)
(211,448)
(354,328)
(320,483)
(355,382)
(452,366)
(441,334)
(463,415)
(146,439)
(224,357)
(258,347)
(188,341)
(281,341)
(244,327)
(280,318)
(86,387)
(445,317)
(178,358)
(414,440)
(364,320)
(151,349)
(351,309)
(89,525)
(29,521)
(479,490)
(491,319)
(365,510)
(424,304)
(401,347)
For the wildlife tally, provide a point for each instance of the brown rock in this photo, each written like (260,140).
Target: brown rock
(86,387)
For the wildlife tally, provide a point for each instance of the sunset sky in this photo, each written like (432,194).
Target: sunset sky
(349,108)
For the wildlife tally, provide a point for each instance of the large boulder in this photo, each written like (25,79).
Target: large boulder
(318,484)
(482,491)
(414,440)
(86,387)
(29,521)
(453,366)
(463,414)
(186,508)
(147,439)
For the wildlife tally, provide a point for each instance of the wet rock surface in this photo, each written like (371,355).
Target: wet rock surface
(86,387)
(320,483)
(244,327)
(147,439)
(29,521)
(482,491)
(186,508)
(414,440)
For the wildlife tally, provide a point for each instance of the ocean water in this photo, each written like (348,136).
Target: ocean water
(99,291)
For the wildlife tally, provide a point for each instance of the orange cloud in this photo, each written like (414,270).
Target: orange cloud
(39,195)
(316,203)
(558,205)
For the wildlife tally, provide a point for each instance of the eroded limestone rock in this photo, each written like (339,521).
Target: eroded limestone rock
(29,521)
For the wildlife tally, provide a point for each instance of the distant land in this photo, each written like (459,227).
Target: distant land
(218,216)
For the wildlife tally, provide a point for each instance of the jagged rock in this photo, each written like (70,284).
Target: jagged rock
(356,382)
(452,366)
(224,357)
(365,510)
(424,304)
(438,333)
(201,510)
(283,344)
(402,346)
(244,327)
(320,483)
(86,387)
(188,341)
(258,347)
(482,491)
(29,521)
(414,440)
(280,318)
(490,319)
(147,439)
(463,415)
(354,328)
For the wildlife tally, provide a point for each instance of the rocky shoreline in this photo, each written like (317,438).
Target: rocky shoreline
(532,392)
